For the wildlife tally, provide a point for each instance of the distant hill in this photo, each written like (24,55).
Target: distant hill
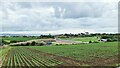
(8,34)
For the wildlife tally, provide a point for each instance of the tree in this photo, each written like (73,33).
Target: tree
(33,43)
(90,41)
(13,41)
(27,44)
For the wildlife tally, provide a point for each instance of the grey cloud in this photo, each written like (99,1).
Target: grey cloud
(58,16)
(25,5)
(77,9)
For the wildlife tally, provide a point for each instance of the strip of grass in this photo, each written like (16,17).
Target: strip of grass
(18,38)
(82,39)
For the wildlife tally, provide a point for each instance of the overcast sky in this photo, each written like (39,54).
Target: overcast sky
(58,17)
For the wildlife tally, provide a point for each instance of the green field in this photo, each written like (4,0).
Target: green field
(81,39)
(19,56)
(18,39)
(59,55)
(82,51)
(8,39)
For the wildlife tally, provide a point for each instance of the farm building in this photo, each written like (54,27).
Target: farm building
(103,40)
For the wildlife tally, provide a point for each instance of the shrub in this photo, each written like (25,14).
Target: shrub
(33,43)
(41,44)
(22,45)
(109,40)
(115,40)
(13,41)
(90,41)
(27,44)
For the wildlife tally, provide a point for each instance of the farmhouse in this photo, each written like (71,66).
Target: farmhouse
(103,40)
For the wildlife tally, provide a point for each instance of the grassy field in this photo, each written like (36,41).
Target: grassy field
(81,39)
(19,38)
(82,51)
(8,39)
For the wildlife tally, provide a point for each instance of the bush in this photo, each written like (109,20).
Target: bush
(90,41)
(33,43)
(13,41)
(106,37)
(22,45)
(115,40)
(27,44)
(109,40)
(41,44)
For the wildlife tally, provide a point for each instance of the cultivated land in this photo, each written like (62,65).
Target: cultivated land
(90,54)
(74,55)
(82,51)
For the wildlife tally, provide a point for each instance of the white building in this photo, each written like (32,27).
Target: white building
(103,40)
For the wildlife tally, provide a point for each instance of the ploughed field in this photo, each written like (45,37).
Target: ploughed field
(64,55)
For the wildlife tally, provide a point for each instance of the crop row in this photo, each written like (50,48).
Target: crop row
(24,57)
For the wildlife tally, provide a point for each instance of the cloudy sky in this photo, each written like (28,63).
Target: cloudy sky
(58,17)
